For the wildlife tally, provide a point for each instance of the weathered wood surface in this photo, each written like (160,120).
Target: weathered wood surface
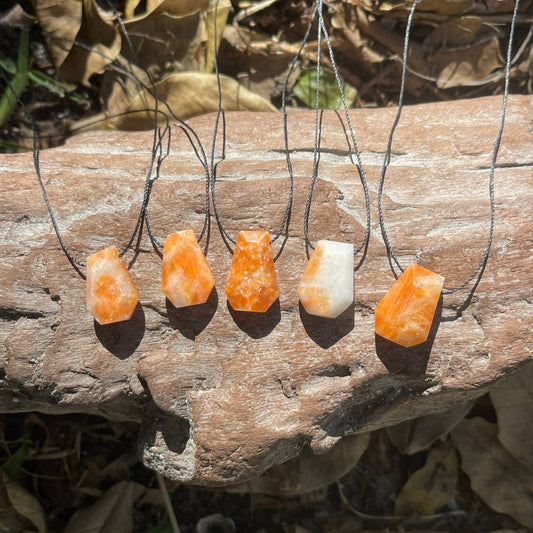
(223,396)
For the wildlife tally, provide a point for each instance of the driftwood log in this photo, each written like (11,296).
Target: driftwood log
(223,396)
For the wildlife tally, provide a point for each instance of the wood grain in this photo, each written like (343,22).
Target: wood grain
(223,396)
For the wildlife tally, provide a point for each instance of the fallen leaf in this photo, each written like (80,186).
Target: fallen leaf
(69,21)
(500,6)
(177,7)
(449,7)
(171,36)
(223,9)
(310,472)
(495,475)
(419,433)
(61,18)
(112,513)
(97,30)
(459,31)
(188,94)
(129,8)
(469,66)
(24,503)
(16,17)
(510,531)
(513,402)
(247,48)
(305,89)
(431,487)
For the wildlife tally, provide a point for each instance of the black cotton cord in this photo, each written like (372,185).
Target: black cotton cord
(156,148)
(184,127)
(146,191)
(213,167)
(314,175)
(115,63)
(286,129)
(353,149)
(359,165)
(75,262)
(318,134)
(478,272)
(287,214)
(159,244)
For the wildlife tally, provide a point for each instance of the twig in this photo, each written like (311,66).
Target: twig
(386,519)
(252,10)
(168,503)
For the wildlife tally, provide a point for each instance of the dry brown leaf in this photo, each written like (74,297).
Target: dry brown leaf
(309,472)
(431,487)
(446,7)
(118,90)
(442,7)
(16,17)
(24,503)
(510,531)
(502,6)
(61,18)
(129,8)
(495,475)
(69,21)
(223,9)
(113,512)
(352,43)
(10,520)
(469,66)
(417,434)
(188,94)
(179,8)
(98,30)
(172,36)
(459,31)
(513,401)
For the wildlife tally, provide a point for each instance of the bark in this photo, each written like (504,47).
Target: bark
(223,396)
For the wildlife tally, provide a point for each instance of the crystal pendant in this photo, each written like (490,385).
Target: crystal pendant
(111,293)
(251,284)
(186,278)
(405,314)
(326,288)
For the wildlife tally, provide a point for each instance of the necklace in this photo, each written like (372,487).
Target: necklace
(186,278)
(326,288)
(251,285)
(111,295)
(407,311)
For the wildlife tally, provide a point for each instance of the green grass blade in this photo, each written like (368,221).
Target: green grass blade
(8,101)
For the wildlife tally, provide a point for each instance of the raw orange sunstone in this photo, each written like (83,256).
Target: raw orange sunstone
(186,278)
(251,284)
(405,314)
(111,293)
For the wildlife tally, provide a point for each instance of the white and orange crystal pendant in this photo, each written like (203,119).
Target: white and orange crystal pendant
(111,293)
(326,288)
(405,314)
(186,278)
(251,284)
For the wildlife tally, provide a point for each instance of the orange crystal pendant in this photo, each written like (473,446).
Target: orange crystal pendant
(251,284)
(405,314)
(186,278)
(111,293)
